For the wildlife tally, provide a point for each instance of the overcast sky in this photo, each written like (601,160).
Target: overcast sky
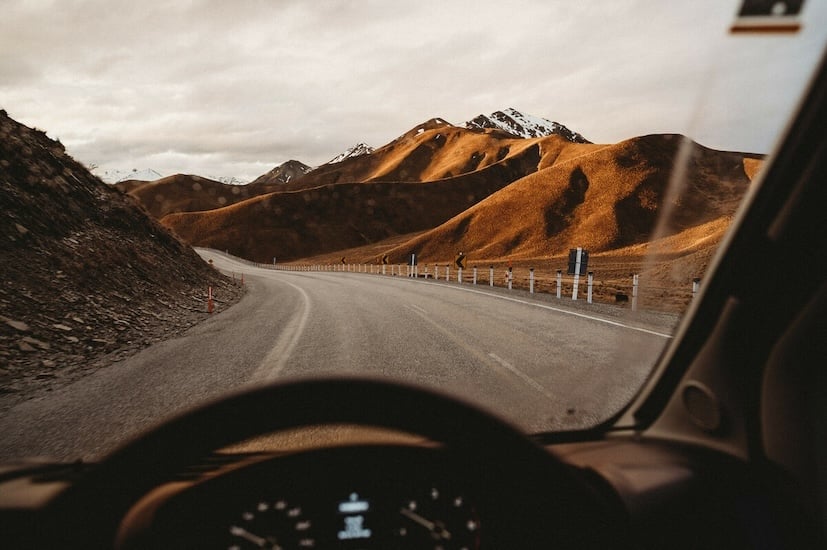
(221,89)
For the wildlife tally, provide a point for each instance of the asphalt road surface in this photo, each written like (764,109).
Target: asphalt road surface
(537,363)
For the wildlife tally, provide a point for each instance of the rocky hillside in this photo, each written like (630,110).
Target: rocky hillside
(87,275)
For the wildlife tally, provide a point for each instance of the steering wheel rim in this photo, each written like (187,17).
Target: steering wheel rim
(536,491)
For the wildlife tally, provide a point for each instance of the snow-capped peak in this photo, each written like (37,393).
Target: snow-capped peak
(525,126)
(356,151)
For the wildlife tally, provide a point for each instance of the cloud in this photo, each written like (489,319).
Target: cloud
(231,88)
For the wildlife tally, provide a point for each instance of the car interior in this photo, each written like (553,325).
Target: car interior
(724,447)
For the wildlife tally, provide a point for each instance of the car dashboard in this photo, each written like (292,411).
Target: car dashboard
(418,495)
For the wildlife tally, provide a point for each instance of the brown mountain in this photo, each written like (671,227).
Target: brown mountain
(186,193)
(333,216)
(280,175)
(431,151)
(606,198)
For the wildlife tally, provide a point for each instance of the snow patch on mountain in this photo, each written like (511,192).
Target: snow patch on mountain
(115,176)
(522,125)
(356,151)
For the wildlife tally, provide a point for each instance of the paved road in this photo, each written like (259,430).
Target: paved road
(537,364)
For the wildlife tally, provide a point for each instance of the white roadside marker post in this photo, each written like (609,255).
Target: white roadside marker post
(590,285)
(635,282)
(576,273)
(559,283)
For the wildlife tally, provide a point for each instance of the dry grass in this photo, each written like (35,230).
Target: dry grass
(605,198)
(439,189)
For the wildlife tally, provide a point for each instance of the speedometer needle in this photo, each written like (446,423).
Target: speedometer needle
(436,529)
(255,539)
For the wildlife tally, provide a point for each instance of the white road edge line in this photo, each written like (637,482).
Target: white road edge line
(564,311)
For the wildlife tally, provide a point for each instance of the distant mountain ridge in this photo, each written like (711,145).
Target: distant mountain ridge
(522,125)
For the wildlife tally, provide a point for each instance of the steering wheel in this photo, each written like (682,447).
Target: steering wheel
(538,500)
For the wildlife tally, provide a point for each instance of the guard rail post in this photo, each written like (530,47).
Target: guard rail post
(589,287)
(447,273)
(474,278)
(559,283)
(531,280)
(635,282)
(491,276)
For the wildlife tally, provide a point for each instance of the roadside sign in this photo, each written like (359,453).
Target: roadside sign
(768,16)
(578,258)
(460,260)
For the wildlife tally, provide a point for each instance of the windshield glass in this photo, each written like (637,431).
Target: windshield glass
(513,203)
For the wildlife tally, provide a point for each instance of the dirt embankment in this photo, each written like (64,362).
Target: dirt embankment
(86,275)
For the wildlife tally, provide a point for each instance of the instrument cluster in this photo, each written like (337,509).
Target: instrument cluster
(356,498)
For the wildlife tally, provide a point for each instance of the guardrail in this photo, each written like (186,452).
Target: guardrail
(629,290)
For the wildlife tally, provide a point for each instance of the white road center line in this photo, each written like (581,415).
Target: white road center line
(278,356)
(520,374)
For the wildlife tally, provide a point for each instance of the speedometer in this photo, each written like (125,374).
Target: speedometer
(274,525)
(438,520)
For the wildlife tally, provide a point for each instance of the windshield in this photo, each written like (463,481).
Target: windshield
(513,203)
